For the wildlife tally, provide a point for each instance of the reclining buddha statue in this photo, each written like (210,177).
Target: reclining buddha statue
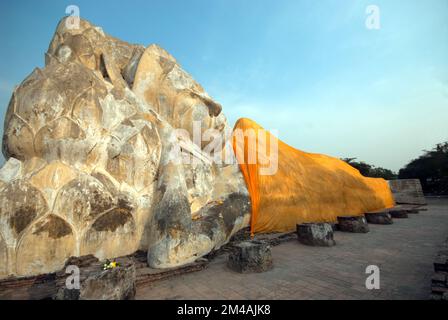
(112,147)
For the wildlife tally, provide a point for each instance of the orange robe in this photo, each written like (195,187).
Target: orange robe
(306,187)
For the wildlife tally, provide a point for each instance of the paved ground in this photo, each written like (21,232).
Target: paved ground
(403,251)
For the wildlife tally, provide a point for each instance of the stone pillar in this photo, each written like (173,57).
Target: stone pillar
(379,218)
(316,234)
(250,257)
(355,224)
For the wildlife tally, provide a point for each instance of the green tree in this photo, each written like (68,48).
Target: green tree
(431,168)
(369,170)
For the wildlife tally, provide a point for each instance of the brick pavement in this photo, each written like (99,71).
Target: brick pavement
(404,252)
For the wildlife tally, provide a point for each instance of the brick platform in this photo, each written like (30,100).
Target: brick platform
(404,252)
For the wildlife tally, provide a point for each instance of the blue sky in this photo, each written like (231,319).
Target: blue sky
(309,69)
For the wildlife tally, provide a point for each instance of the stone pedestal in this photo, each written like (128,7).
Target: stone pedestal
(379,218)
(398,213)
(407,191)
(356,224)
(251,257)
(97,284)
(316,234)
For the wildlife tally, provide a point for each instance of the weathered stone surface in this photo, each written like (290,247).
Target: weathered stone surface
(355,224)
(28,288)
(3,257)
(441,261)
(398,213)
(439,290)
(440,279)
(53,285)
(316,234)
(98,284)
(383,217)
(162,83)
(148,275)
(251,256)
(94,143)
(33,252)
(412,210)
(407,191)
